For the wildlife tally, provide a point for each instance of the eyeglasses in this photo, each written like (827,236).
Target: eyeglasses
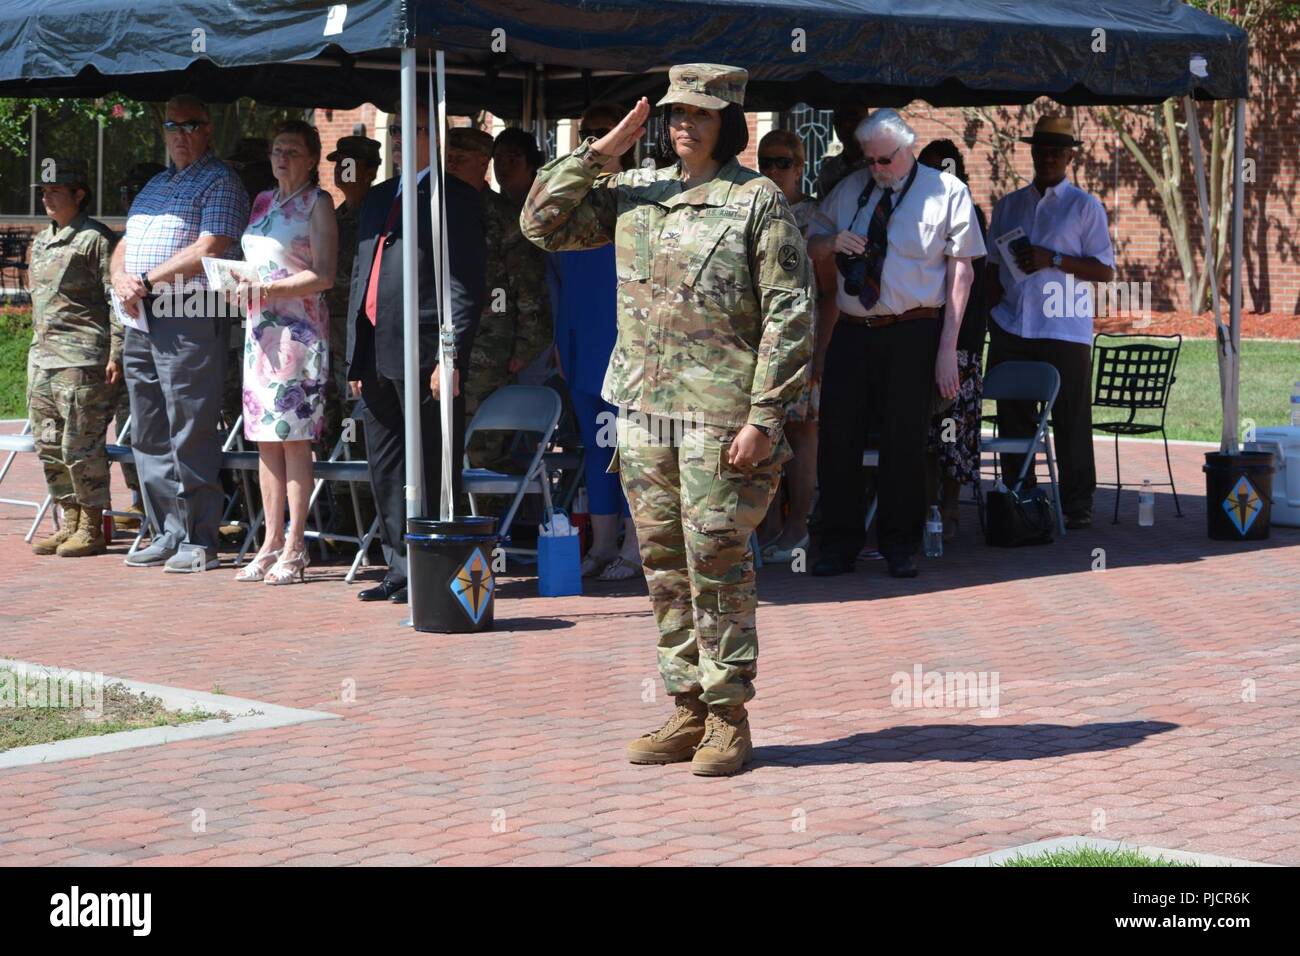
(187,127)
(599,132)
(279,153)
(880,160)
(395,129)
(780,162)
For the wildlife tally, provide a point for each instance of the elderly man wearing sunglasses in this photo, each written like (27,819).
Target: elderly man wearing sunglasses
(902,236)
(175,371)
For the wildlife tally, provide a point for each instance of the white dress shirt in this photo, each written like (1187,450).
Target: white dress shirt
(934,221)
(1048,304)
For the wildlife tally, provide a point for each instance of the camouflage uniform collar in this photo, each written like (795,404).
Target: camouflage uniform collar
(715,192)
(71,229)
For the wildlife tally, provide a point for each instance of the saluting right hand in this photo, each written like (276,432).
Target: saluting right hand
(629,129)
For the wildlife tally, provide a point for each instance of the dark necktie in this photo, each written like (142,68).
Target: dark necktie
(878,236)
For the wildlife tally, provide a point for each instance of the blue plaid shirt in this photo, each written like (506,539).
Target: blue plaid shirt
(178,207)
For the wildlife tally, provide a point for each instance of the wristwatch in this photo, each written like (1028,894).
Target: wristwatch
(148,286)
(767,432)
(1056,260)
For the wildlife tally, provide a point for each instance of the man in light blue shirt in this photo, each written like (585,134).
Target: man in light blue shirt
(1042,310)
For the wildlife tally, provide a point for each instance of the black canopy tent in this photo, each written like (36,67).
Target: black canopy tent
(303,53)
(553,57)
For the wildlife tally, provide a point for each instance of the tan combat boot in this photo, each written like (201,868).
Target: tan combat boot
(726,746)
(71,515)
(676,740)
(88,539)
(129,521)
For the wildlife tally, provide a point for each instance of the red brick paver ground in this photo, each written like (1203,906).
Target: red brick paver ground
(1156,701)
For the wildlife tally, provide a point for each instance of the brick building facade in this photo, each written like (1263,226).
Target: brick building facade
(1144,248)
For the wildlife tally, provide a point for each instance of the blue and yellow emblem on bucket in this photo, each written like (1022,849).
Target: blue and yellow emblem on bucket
(473,585)
(1243,505)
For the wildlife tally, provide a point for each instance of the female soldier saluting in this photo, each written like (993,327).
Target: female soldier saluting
(714,336)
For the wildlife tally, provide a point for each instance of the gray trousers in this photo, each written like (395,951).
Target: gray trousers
(174,376)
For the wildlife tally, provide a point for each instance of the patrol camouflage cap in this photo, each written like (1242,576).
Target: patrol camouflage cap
(62,171)
(709,85)
(357,147)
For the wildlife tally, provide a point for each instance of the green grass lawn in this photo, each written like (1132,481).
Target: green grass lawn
(15,336)
(1268,372)
(1088,856)
(22,725)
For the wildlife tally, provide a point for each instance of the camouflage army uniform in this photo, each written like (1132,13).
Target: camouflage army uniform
(74,335)
(336,299)
(715,314)
(516,321)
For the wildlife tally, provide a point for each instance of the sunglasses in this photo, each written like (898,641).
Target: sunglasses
(189,126)
(780,162)
(599,132)
(396,129)
(880,160)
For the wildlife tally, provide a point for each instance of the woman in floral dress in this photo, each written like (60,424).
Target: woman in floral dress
(292,241)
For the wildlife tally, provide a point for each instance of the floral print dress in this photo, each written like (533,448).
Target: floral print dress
(286,348)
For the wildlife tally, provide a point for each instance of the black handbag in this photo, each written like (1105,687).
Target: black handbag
(1015,518)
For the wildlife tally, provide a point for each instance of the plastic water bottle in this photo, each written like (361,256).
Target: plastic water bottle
(1295,405)
(1146,505)
(934,533)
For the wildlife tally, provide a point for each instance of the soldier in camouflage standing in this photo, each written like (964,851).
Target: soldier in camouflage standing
(76,359)
(516,327)
(714,341)
(135,180)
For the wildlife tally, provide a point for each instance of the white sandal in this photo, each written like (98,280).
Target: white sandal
(593,565)
(620,569)
(256,569)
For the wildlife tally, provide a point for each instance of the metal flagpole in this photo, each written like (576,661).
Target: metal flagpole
(442,273)
(410,307)
(1229,437)
(1234,301)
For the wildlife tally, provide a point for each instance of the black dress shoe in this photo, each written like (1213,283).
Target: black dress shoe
(383,591)
(902,568)
(398,596)
(1078,521)
(829,565)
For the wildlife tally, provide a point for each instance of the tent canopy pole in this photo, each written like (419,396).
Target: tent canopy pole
(410,296)
(1232,407)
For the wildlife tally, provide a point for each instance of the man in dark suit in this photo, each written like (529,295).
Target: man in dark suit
(376,344)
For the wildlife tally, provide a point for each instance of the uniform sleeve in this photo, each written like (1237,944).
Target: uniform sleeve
(1095,241)
(964,238)
(225,209)
(104,249)
(567,209)
(527,283)
(783,276)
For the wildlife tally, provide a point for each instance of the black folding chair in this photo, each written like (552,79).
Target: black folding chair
(13,264)
(1036,382)
(1132,375)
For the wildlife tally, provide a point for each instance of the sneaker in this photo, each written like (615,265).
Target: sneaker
(188,560)
(157,553)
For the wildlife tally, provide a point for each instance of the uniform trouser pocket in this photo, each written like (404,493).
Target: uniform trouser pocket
(70,411)
(721,507)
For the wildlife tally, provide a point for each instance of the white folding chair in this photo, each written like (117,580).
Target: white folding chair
(21,444)
(531,409)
